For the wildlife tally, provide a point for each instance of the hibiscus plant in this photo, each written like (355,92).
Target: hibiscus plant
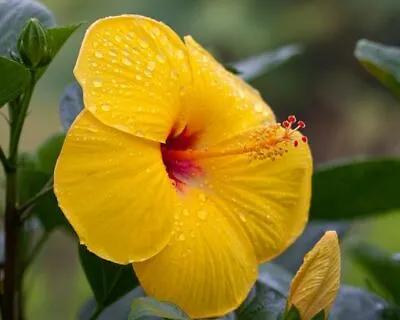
(187,197)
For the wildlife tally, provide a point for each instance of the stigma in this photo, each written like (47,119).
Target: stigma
(268,142)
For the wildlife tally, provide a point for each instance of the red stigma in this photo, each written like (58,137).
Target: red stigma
(295,143)
(286,124)
(301,124)
(292,119)
(304,139)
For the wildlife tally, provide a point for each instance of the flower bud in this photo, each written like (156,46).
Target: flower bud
(33,45)
(314,287)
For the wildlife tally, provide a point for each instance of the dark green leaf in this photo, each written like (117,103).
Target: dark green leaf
(13,16)
(47,153)
(292,314)
(255,66)
(319,316)
(109,281)
(264,303)
(383,62)
(71,104)
(144,308)
(356,189)
(14,77)
(57,37)
(34,174)
(381,267)
(391,313)
(356,304)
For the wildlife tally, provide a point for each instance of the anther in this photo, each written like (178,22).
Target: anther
(292,119)
(295,143)
(286,124)
(301,124)
(304,139)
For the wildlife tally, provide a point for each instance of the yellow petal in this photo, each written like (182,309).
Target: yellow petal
(223,105)
(208,267)
(132,69)
(267,198)
(114,190)
(316,284)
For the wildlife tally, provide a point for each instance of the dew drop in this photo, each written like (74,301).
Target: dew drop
(258,107)
(118,38)
(98,54)
(139,133)
(202,197)
(97,83)
(161,58)
(151,65)
(202,214)
(126,62)
(105,107)
(180,54)
(182,237)
(143,43)
(242,217)
(138,77)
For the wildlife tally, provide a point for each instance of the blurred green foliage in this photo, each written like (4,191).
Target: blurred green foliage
(347,111)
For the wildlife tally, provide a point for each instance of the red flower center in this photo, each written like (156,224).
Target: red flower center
(179,171)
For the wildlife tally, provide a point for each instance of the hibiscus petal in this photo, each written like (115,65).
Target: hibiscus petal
(208,267)
(114,190)
(223,105)
(132,70)
(269,199)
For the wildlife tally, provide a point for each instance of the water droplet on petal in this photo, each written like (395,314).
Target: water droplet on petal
(182,237)
(105,107)
(118,38)
(138,77)
(180,54)
(126,61)
(98,54)
(242,217)
(202,197)
(151,65)
(202,214)
(258,107)
(161,58)
(143,43)
(97,83)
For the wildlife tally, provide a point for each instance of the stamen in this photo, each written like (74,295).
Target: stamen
(268,142)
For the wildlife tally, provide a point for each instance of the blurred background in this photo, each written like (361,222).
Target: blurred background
(349,114)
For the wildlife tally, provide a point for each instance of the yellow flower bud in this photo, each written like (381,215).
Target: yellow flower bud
(316,284)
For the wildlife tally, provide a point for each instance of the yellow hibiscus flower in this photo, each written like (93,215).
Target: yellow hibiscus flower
(179,167)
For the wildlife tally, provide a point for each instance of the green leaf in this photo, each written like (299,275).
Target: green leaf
(356,304)
(71,104)
(319,316)
(255,66)
(381,267)
(57,36)
(109,281)
(383,62)
(391,313)
(35,172)
(267,299)
(13,16)
(292,314)
(143,308)
(356,189)
(14,77)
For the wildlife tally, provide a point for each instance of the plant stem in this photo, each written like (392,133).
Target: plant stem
(36,249)
(3,160)
(12,221)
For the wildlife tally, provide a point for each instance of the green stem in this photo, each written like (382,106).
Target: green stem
(3,160)
(12,221)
